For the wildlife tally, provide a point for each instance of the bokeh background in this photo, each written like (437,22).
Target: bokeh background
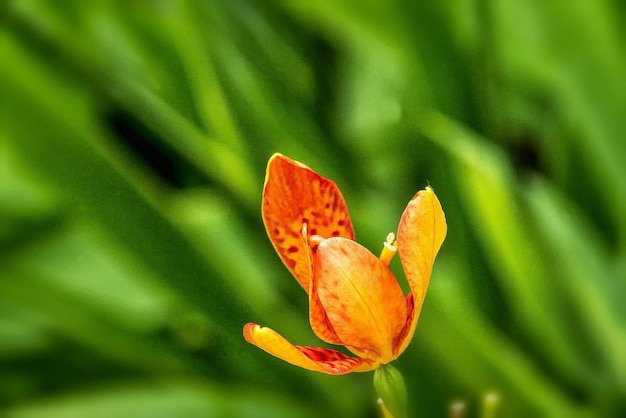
(133,142)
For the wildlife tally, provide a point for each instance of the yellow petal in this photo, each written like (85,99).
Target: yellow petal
(421,232)
(361,297)
(317,359)
(293,195)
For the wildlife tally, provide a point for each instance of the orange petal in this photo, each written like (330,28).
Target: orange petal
(293,195)
(421,232)
(361,297)
(320,324)
(310,358)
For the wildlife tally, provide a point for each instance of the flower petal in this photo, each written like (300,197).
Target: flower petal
(421,232)
(310,358)
(317,315)
(320,324)
(361,297)
(293,195)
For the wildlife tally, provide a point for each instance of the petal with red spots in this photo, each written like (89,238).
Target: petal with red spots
(334,362)
(294,195)
(310,358)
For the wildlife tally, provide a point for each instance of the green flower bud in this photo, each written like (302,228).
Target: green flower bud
(390,387)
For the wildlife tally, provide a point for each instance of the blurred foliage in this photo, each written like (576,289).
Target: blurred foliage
(133,143)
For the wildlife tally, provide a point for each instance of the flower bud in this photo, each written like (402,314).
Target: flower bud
(390,387)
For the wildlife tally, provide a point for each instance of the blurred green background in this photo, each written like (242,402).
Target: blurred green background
(133,142)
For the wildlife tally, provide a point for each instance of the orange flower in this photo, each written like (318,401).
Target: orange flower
(354,299)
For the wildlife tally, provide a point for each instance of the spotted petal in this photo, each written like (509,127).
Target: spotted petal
(421,232)
(317,359)
(294,195)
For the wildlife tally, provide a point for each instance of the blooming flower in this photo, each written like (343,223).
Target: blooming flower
(354,299)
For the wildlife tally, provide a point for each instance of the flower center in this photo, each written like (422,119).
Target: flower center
(389,249)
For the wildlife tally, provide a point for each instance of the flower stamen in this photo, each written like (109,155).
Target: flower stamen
(315,240)
(389,249)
